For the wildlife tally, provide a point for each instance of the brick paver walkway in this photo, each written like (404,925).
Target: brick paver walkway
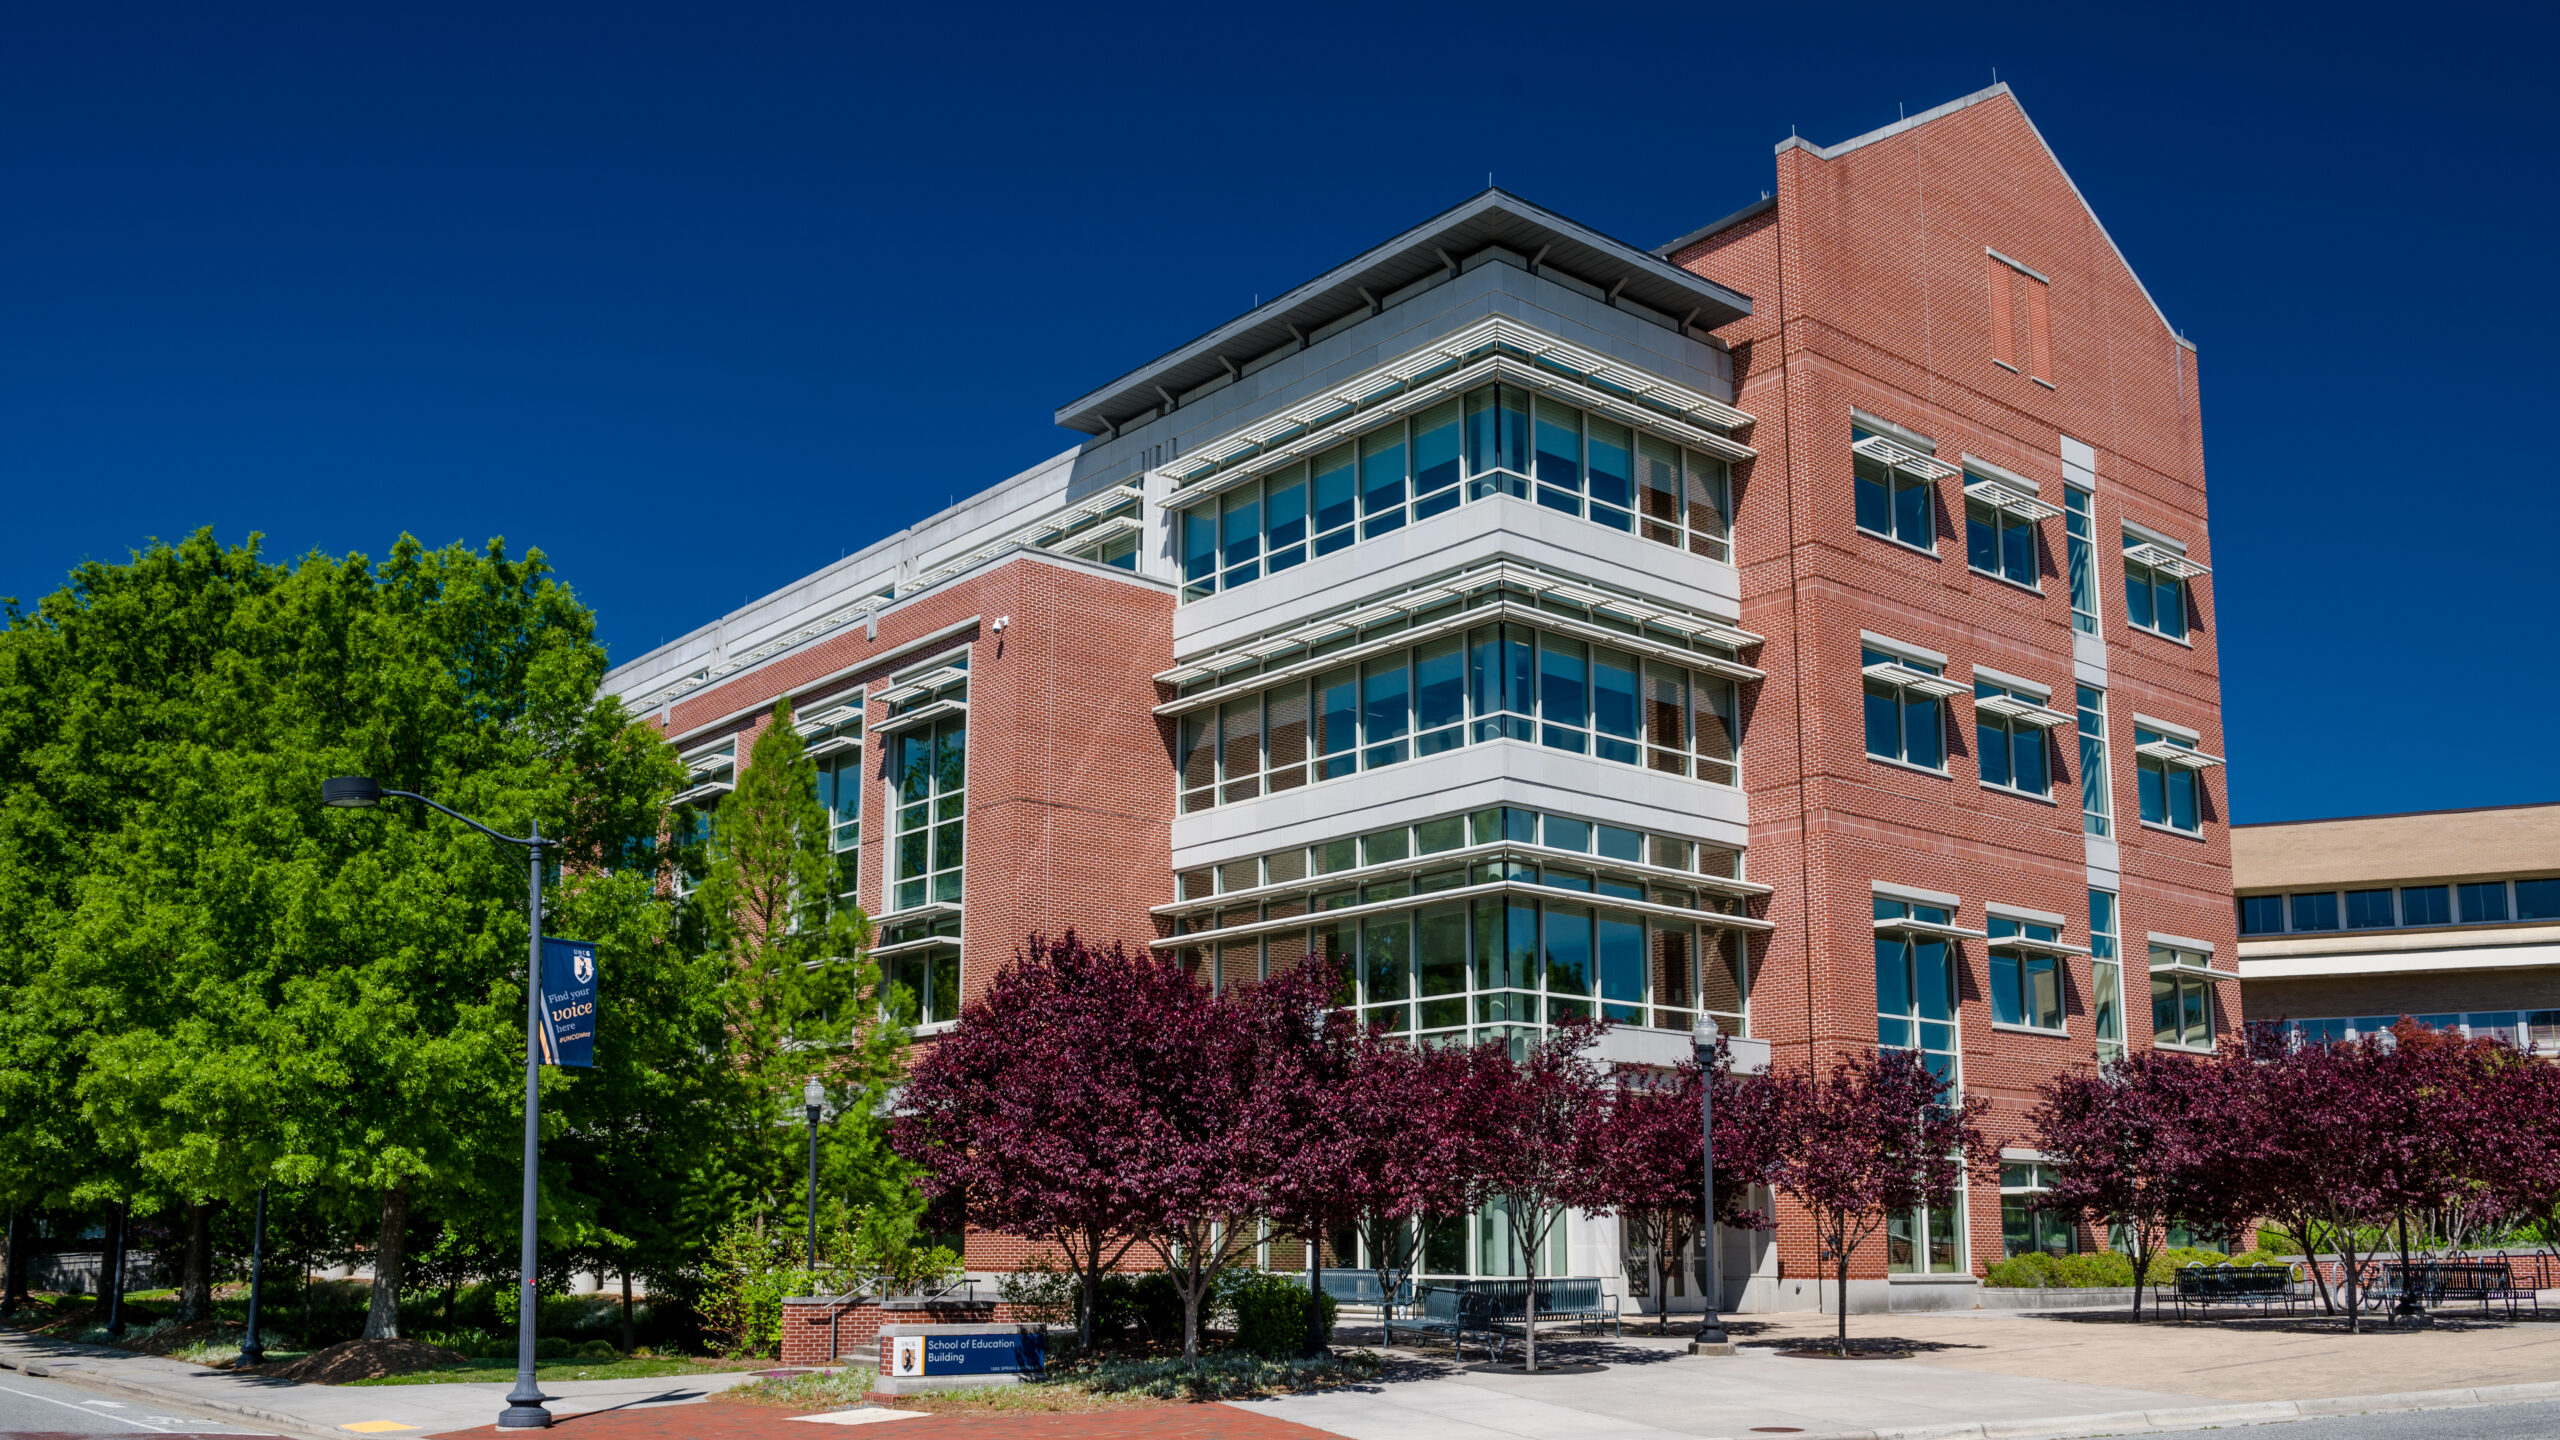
(754,1422)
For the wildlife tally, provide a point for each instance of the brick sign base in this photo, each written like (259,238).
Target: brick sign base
(823,1329)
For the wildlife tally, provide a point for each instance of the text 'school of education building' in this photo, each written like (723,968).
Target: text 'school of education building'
(1809,620)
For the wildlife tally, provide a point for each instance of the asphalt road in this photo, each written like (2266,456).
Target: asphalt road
(29,1406)
(2537,1421)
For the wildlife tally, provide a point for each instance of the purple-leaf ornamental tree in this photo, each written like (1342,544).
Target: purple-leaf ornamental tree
(2352,1136)
(1651,1154)
(1872,1138)
(1537,1132)
(1028,1113)
(2140,1144)
(1378,1138)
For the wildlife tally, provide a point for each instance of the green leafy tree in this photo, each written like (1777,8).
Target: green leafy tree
(801,995)
(213,983)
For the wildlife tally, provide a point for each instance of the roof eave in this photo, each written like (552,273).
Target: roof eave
(1407,257)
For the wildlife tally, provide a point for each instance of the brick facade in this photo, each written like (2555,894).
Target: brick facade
(1868,269)
(1942,275)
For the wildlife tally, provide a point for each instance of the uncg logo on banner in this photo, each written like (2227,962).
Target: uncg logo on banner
(568,1033)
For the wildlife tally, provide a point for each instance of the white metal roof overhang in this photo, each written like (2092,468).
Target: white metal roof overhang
(1492,218)
(1495,349)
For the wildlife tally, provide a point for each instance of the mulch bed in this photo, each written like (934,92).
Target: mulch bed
(359,1360)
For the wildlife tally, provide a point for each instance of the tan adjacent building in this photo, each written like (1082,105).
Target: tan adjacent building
(2451,916)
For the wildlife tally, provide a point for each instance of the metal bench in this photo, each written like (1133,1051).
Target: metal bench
(1456,1313)
(1565,1297)
(1360,1287)
(2263,1287)
(2490,1282)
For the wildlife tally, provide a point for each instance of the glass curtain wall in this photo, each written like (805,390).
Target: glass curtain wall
(1494,440)
(1494,682)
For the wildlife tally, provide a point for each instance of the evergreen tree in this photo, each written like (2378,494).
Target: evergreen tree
(800,992)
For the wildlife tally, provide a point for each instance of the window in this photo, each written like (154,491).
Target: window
(2538,899)
(2484,903)
(2026,981)
(1926,1240)
(1895,498)
(2168,779)
(920,970)
(929,765)
(2317,911)
(833,736)
(1916,987)
(1492,682)
(1903,712)
(1498,966)
(2022,1228)
(2425,905)
(2155,586)
(2094,814)
(2081,557)
(1999,539)
(2009,737)
(2181,999)
(2369,910)
(1495,440)
(2021,326)
(2106,979)
(2261,914)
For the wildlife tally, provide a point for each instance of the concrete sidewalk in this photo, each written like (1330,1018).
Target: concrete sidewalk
(334,1411)
(1975,1374)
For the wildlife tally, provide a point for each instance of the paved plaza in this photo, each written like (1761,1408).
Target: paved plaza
(1977,1374)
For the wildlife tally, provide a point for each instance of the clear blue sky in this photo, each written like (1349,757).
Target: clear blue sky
(699,298)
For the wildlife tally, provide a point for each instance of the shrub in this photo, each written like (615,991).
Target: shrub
(749,1278)
(597,1350)
(1145,1307)
(1270,1311)
(471,1341)
(1040,1291)
(550,1347)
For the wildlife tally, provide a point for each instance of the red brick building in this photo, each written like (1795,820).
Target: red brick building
(1808,622)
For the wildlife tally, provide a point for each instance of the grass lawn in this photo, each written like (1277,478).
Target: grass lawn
(491,1368)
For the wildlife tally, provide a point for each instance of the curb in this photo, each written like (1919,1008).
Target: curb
(90,1380)
(2124,1422)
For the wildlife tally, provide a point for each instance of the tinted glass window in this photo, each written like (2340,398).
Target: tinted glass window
(2484,902)
(2369,910)
(2316,912)
(2261,914)
(2425,905)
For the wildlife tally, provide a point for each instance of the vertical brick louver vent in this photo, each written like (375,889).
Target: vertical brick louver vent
(2021,324)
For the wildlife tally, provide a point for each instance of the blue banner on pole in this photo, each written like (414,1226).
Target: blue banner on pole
(568,1002)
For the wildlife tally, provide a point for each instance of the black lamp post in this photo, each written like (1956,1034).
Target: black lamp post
(16,1264)
(253,1351)
(354,792)
(1317,1339)
(114,1276)
(1711,1326)
(813,1097)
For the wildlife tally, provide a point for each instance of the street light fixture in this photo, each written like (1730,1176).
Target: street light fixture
(813,1097)
(1703,1039)
(356,792)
